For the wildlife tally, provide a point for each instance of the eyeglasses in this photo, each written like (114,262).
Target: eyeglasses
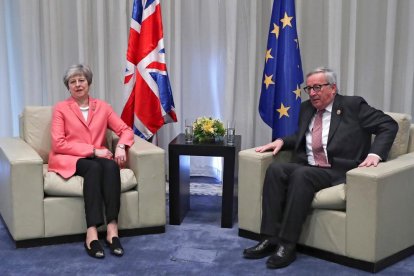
(316,88)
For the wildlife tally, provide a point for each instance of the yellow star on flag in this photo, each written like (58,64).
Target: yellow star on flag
(297,92)
(268,55)
(283,110)
(268,80)
(286,20)
(275,30)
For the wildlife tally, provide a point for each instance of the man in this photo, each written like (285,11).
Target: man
(334,136)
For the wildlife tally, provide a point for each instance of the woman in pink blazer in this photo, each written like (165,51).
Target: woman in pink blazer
(78,132)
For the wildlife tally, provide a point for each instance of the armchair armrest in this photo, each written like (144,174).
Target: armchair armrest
(147,162)
(252,170)
(21,189)
(379,209)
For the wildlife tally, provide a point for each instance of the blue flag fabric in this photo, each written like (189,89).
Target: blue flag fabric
(280,96)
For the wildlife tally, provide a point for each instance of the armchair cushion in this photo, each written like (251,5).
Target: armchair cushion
(55,185)
(332,198)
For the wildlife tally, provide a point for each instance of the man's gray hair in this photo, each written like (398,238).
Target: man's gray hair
(330,75)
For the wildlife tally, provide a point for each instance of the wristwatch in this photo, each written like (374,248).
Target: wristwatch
(121,146)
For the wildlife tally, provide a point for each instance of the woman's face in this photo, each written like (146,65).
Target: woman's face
(78,87)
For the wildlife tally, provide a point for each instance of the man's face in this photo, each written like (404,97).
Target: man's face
(320,99)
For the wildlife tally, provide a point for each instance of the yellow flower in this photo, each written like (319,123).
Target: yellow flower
(207,127)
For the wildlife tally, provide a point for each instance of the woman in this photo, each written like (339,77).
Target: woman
(78,148)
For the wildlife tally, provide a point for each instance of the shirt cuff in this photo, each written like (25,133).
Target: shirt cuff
(373,154)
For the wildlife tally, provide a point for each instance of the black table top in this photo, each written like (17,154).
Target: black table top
(180,141)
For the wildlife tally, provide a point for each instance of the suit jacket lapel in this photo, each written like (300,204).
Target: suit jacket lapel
(307,117)
(336,117)
(76,110)
(92,108)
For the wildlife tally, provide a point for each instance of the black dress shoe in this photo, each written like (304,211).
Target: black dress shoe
(283,257)
(96,249)
(115,247)
(260,250)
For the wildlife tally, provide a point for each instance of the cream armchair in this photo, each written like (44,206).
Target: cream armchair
(40,207)
(367,223)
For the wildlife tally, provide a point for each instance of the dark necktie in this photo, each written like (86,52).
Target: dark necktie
(317,147)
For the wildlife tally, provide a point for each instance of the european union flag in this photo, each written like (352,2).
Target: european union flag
(282,76)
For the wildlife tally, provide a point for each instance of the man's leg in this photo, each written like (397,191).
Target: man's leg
(275,190)
(274,198)
(303,183)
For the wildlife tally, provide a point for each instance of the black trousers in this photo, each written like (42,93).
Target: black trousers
(288,192)
(101,189)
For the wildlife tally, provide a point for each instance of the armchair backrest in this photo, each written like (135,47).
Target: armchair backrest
(411,139)
(403,140)
(35,129)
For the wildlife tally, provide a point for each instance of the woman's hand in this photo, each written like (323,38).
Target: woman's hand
(104,153)
(120,156)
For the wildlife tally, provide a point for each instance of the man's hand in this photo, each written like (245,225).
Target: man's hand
(371,160)
(276,145)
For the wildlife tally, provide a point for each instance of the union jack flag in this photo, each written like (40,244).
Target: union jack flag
(150,104)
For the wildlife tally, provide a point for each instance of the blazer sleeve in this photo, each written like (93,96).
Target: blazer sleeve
(382,125)
(118,126)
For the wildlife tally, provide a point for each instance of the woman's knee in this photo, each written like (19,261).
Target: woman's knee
(110,166)
(85,167)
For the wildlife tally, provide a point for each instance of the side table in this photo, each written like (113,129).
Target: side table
(179,153)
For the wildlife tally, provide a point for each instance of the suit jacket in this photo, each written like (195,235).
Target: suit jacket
(353,122)
(74,138)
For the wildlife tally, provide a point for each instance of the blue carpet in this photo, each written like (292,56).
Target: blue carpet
(196,247)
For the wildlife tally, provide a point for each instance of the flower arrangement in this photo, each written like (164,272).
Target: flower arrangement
(207,129)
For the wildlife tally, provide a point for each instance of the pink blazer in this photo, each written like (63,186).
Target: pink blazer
(74,138)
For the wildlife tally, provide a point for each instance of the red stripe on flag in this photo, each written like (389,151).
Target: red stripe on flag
(128,112)
(151,33)
(158,65)
(133,47)
(147,106)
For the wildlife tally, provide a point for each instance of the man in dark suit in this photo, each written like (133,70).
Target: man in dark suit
(334,136)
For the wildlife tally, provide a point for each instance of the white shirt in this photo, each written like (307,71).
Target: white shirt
(85,111)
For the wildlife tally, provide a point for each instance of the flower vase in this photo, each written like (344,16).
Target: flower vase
(218,139)
(206,139)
